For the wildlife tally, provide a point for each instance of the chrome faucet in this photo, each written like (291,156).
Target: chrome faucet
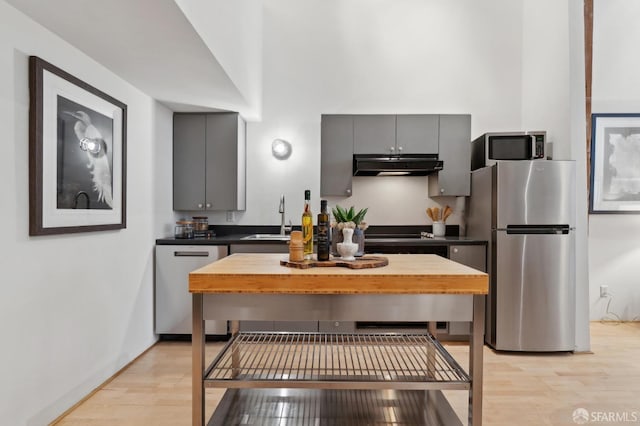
(283,229)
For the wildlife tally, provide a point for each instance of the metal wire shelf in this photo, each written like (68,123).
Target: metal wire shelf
(335,361)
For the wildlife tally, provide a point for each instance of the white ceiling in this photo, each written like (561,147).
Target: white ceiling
(149,43)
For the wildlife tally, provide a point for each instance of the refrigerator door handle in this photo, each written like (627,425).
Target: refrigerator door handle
(538,229)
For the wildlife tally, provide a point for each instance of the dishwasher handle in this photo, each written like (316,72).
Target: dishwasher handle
(191,253)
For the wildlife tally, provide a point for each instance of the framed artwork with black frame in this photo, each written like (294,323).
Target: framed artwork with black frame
(77,154)
(615,163)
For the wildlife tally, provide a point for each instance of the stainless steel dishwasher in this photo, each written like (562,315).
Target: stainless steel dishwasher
(172,297)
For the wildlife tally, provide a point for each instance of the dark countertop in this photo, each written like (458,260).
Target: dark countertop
(378,236)
(237,239)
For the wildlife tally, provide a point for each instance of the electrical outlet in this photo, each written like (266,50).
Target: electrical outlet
(230,217)
(604,290)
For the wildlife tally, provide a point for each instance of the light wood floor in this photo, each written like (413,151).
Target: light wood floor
(519,389)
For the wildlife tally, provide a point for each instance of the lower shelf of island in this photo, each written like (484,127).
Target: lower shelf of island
(333,361)
(336,407)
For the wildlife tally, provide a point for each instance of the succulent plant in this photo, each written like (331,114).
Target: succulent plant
(349,218)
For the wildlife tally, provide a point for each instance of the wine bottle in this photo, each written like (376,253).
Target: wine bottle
(323,232)
(307,226)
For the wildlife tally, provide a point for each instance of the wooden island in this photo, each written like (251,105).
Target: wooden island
(412,287)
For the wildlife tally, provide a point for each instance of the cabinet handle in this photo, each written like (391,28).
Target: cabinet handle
(455,250)
(208,205)
(442,190)
(191,253)
(348,191)
(199,205)
(392,149)
(400,148)
(336,324)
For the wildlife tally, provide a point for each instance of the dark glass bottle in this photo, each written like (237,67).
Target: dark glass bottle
(323,232)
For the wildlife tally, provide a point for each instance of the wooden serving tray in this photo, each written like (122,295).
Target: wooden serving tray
(359,263)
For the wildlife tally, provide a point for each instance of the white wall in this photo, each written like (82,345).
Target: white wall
(233,33)
(74,309)
(614,250)
(375,56)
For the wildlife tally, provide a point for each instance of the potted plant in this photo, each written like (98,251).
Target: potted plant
(344,218)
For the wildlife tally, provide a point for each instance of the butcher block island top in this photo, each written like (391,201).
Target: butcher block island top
(261,273)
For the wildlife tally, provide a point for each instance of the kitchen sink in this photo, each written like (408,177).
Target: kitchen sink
(272,237)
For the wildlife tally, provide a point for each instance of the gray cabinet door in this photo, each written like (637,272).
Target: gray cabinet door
(189,161)
(336,150)
(208,162)
(474,256)
(374,134)
(222,165)
(417,134)
(455,152)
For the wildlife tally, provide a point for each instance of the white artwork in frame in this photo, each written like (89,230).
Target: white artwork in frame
(615,163)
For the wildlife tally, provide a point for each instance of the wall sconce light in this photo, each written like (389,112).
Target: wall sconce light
(281,149)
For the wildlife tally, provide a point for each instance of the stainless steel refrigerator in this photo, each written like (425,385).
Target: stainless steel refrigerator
(526,210)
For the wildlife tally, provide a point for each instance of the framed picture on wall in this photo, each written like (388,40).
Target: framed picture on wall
(615,163)
(77,154)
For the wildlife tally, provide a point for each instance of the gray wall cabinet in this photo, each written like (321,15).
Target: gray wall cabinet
(336,155)
(455,151)
(417,134)
(395,134)
(374,134)
(209,159)
(447,135)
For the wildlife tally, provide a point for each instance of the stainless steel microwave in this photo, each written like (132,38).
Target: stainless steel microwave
(492,147)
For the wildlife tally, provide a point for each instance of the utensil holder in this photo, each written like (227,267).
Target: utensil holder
(439,229)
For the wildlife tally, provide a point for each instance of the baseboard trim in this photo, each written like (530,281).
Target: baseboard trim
(99,387)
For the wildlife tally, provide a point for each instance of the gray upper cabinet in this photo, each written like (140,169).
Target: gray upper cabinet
(374,134)
(189,161)
(417,134)
(395,134)
(336,158)
(449,136)
(209,162)
(455,151)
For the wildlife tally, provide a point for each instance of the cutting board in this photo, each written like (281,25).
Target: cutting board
(359,263)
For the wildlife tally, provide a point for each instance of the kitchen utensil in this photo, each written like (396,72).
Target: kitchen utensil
(446,213)
(436,213)
(430,213)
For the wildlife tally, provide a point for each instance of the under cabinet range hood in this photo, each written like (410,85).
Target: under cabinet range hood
(401,165)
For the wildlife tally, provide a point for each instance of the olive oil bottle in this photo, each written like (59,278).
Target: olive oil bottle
(307,226)
(323,232)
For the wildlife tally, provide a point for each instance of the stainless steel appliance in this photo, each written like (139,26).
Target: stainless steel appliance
(492,147)
(526,210)
(172,298)
(405,164)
